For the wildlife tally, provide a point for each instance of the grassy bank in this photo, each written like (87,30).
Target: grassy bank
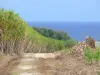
(16,36)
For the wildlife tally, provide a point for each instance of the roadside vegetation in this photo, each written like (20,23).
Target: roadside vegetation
(92,56)
(17,37)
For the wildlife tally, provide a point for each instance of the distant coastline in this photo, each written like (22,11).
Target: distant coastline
(77,30)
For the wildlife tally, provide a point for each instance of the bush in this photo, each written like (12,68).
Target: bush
(70,43)
(92,56)
(12,29)
(58,35)
(11,24)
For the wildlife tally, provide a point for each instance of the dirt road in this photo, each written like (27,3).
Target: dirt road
(44,64)
(33,64)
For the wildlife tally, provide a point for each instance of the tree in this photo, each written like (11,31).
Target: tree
(58,35)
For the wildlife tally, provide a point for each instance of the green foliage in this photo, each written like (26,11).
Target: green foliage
(89,56)
(11,24)
(58,35)
(50,44)
(98,73)
(15,31)
(70,43)
(92,56)
(62,40)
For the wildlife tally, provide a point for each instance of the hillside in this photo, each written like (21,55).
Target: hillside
(18,37)
(58,35)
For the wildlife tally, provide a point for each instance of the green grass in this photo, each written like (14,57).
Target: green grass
(48,43)
(92,56)
(15,29)
(98,73)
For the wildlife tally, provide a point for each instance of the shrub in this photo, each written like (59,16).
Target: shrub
(11,24)
(70,43)
(12,31)
(92,56)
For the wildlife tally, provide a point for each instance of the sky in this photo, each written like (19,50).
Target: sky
(55,10)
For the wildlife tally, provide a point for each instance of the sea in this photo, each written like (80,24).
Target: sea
(76,30)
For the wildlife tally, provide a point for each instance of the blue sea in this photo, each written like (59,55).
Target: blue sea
(76,30)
